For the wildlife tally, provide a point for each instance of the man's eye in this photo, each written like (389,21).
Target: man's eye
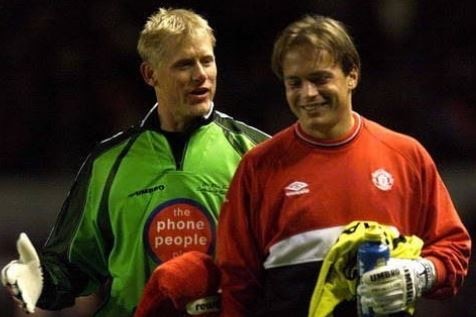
(294,84)
(320,80)
(184,65)
(208,61)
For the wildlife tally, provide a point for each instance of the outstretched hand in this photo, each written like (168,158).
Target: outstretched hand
(23,277)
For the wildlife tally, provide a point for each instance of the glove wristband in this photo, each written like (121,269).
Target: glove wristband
(429,274)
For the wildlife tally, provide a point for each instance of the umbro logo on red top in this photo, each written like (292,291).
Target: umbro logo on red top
(296,188)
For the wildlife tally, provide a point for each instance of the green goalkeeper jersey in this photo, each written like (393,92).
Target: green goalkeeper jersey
(133,206)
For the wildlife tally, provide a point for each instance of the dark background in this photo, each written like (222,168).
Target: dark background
(69,78)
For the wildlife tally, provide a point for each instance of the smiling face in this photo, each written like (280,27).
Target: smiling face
(318,92)
(184,81)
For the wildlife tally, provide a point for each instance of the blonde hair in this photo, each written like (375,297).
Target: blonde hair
(166,27)
(324,34)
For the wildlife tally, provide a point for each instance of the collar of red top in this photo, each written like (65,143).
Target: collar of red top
(349,136)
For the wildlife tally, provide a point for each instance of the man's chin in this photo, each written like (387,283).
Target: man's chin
(316,121)
(200,109)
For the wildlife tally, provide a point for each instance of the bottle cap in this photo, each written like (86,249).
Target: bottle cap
(374,233)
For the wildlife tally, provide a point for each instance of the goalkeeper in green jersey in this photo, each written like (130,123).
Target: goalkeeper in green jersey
(148,194)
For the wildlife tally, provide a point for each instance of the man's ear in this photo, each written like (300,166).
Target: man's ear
(148,74)
(353,78)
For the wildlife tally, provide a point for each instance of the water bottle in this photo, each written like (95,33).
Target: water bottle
(370,254)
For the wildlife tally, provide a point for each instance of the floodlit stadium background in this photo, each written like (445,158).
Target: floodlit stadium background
(69,78)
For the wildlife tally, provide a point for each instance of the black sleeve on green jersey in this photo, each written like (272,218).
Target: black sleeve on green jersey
(63,280)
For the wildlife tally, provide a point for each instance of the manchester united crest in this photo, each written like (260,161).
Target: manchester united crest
(382,179)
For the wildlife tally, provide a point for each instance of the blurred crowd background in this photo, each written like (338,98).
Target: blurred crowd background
(69,78)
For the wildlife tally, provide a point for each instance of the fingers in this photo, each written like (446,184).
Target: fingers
(384,288)
(391,302)
(29,307)
(10,273)
(381,275)
(24,306)
(4,275)
(26,250)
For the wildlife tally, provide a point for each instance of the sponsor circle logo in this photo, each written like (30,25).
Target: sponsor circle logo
(176,227)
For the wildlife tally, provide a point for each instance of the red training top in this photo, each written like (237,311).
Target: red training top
(292,195)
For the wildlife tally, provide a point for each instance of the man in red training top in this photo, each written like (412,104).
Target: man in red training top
(292,195)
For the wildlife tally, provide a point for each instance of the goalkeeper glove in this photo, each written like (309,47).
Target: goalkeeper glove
(23,277)
(186,285)
(395,286)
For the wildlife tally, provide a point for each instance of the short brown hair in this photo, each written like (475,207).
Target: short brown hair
(324,33)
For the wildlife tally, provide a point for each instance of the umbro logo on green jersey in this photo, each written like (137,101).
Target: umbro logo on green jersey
(147,190)
(296,188)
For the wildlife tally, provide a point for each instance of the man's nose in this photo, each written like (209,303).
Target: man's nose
(310,89)
(199,73)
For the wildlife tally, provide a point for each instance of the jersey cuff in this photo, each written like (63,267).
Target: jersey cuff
(440,269)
